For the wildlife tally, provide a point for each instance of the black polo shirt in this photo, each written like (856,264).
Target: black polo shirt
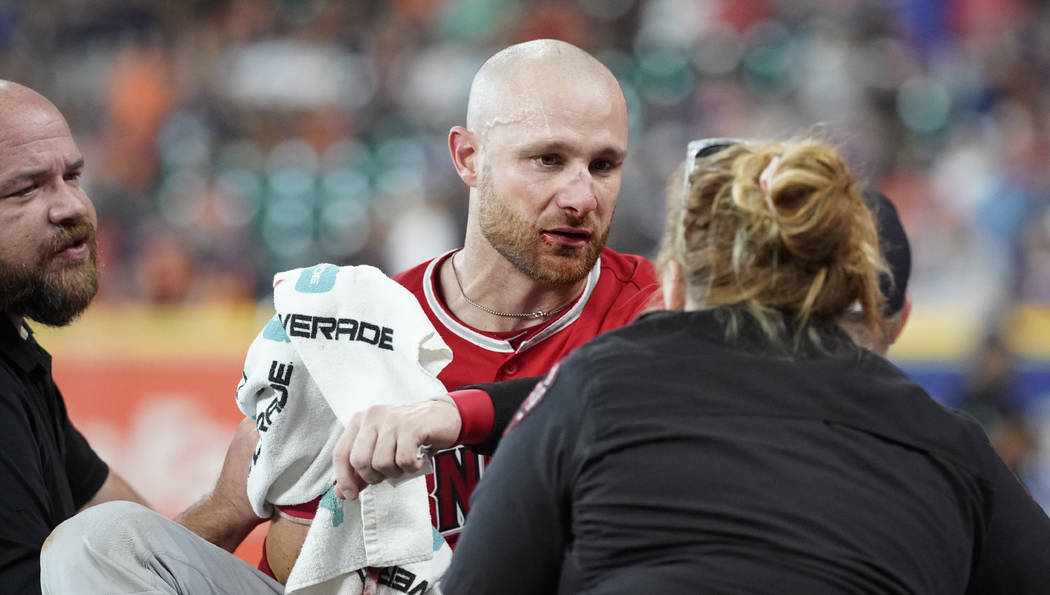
(47,468)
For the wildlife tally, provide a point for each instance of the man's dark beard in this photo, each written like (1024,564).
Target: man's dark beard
(54,297)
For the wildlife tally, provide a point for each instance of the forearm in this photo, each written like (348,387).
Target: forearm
(383,442)
(225,516)
(221,523)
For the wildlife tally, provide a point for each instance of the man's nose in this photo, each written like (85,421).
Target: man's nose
(578,194)
(68,204)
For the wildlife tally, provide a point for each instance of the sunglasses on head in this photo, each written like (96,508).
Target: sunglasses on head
(704,147)
(696,149)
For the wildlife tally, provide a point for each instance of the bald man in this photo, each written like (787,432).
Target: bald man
(49,273)
(542,154)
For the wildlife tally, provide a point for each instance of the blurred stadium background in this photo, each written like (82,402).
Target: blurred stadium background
(230,139)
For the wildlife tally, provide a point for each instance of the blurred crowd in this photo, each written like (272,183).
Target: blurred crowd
(230,139)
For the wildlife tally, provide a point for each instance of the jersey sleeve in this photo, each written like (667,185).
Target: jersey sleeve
(520,518)
(1013,554)
(505,397)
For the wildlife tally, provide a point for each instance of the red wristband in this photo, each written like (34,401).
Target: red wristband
(476,413)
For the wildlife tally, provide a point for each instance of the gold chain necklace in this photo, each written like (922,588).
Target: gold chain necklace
(530,315)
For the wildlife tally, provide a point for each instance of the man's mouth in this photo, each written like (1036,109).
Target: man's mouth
(75,249)
(566,236)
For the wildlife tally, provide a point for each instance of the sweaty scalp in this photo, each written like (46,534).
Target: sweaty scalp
(515,83)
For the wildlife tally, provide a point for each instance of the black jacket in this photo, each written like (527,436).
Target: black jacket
(663,458)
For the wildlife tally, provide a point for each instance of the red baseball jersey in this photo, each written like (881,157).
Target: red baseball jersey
(619,287)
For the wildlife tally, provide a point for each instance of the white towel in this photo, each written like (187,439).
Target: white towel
(343,339)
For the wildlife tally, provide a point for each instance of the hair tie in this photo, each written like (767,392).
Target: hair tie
(764,180)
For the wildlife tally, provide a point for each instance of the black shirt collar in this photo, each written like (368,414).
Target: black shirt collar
(24,353)
(712,324)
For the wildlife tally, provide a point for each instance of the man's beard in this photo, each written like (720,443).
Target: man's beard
(49,295)
(519,241)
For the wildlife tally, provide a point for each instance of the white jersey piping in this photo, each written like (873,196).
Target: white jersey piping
(499,345)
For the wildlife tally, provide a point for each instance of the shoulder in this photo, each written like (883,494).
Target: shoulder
(413,276)
(607,355)
(628,268)
(869,392)
(413,279)
(605,358)
(625,288)
(957,436)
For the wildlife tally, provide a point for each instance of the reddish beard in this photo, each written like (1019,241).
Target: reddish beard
(50,294)
(519,241)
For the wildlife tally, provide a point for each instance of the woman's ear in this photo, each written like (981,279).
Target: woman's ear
(905,312)
(673,287)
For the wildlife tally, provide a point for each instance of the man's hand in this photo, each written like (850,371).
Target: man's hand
(225,517)
(384,442)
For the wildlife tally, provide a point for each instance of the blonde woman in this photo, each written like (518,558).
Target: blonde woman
(740,441)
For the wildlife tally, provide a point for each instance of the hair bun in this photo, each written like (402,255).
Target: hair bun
(778,227)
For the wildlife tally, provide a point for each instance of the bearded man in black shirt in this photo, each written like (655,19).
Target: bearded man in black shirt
(49,273)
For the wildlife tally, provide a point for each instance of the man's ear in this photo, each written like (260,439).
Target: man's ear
(462,146)
(905,312)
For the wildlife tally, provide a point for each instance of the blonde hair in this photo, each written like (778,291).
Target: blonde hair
(803,248)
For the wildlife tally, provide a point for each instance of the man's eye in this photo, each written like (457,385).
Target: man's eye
(72,177)
(26,191)
(549,160)
(602,165)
